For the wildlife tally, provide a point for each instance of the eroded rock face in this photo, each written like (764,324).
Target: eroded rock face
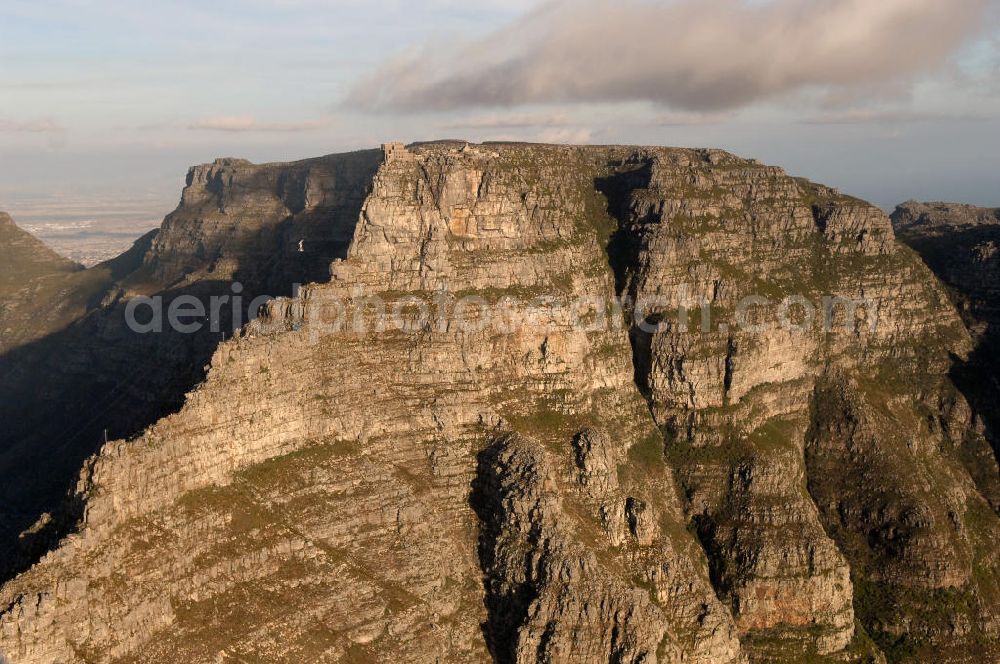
(738,403)
(548,597)
(543,490)
(910,515)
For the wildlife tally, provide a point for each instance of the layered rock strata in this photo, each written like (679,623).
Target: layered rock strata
(578,483)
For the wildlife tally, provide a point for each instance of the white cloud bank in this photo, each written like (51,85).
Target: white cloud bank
(694,55)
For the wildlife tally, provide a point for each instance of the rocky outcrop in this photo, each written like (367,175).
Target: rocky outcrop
(548,599)
(913,219)
(887,474)
(506,478)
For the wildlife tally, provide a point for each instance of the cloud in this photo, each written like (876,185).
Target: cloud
(693,55)
(53,133)
(692,119)
(39,126)
(247,123)
(510,121)
(565,135)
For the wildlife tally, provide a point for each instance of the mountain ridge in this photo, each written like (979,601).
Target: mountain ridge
(557,494)
(25,256)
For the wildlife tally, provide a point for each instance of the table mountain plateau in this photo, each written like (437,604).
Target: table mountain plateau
(645,490)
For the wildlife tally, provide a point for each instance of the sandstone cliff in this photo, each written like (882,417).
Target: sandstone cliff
(548,490)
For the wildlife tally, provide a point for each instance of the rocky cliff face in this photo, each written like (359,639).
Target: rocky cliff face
(742,409)
(691,476)
(271,224)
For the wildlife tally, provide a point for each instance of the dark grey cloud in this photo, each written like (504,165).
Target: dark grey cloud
(696,55)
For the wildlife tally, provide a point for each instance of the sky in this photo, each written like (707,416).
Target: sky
(104,105)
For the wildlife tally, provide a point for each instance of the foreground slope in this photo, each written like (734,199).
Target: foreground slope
(570,485)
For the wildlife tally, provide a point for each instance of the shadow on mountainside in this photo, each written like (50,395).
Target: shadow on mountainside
(968,263)
(63,395)
(623,250)
(976,378)
(506,604)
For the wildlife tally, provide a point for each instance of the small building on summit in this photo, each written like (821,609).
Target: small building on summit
(395,151)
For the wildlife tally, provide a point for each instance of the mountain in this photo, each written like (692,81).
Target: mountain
(961,244)
(65,389)
(25,258)
(761,454)
(32,285)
